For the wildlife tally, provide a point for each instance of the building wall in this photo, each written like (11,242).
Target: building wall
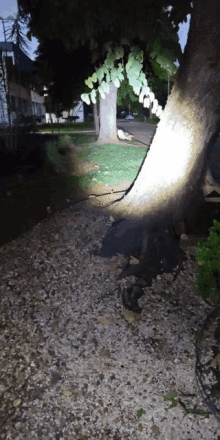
(38,107)
(76,111)
(23,99)
(26,101)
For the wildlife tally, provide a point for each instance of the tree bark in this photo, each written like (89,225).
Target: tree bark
(108,127)
(167,190)
(96,118)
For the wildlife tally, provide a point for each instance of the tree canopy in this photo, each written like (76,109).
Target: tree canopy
(147,24)
(63,73)
(76,22)
(150,26)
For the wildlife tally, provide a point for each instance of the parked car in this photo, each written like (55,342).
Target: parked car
(129,118)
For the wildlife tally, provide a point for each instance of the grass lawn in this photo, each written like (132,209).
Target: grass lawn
(118,163)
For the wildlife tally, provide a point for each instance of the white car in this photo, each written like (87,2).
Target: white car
(129,118)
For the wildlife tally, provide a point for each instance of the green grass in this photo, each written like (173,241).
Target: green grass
(81,138)
(153,121)
(87,125)
(118,163)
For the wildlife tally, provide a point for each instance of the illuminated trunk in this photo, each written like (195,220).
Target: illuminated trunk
(107,114)
(168,185)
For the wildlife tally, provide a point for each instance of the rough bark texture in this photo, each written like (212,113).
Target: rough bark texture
(108,127)
(167,189)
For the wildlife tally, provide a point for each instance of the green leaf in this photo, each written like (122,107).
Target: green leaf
(134,69)
(119,53)
(117,82)
(153,54)
(130,62)
(137,54)
(146,90)
(105,87)
(140,412)
(136,84)
(85,98)
(107,46)
(108,78)
(113,75)
(100,73)
(170,395)
(94,77)
(109,63)
(121,77)
(101,90)
(89,83)
(143,78)
(166,64)
(93,96)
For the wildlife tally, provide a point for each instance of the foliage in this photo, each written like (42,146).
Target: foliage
(112,71)
(64,83)
(208,277)
(76,24)
(165,49)
(153,121)
(96,24)
(15,33)
(140,412)
(52,151)
(125,91)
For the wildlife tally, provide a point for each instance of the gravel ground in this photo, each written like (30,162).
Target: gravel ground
(75,364)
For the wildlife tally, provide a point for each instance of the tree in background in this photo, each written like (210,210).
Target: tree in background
(63,73)
(15,33)
(118,68)
(99,23)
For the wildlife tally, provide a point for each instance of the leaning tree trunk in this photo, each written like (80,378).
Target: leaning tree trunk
(168,185)
(107,115)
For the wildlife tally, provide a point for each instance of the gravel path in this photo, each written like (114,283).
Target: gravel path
(76,365)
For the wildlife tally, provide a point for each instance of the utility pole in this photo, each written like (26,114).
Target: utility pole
(6,85)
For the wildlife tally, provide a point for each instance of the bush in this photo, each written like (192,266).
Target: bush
(53,150)
(208,256)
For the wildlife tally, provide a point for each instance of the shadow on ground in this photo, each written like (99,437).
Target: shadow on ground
(30,190)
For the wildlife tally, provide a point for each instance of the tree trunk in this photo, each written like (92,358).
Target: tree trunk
(108,127)
(96,118)
(150,110)
(168,186)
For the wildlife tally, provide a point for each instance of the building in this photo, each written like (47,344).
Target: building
(18,86)
(77,113)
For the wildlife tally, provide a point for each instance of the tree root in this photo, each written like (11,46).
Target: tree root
(156,246)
